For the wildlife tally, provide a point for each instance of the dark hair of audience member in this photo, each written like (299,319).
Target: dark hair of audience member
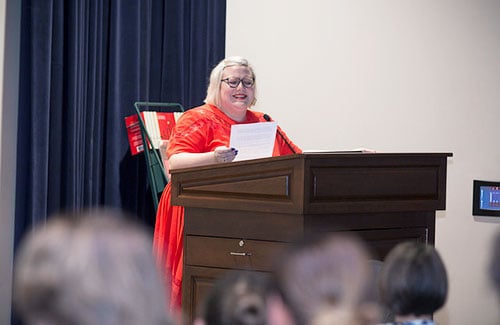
(413,280)
(495,263)
(237,298)
(91,268)
(327,279)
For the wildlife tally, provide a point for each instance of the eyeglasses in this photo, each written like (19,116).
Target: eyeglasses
(234,82)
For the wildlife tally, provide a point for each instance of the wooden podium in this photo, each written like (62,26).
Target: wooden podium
(238,215)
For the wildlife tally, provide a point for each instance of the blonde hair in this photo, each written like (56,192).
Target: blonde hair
(91,268)
(327,276)
(213,91)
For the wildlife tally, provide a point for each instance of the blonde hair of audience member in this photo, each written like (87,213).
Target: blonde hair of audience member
(237,298)
(94,268)
(413,281)
(324,280)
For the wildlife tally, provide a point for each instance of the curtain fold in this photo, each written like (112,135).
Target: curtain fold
(83,65)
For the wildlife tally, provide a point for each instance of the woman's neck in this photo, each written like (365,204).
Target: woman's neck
(234,115)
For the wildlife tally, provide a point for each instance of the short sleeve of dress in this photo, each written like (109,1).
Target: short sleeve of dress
(200,129)
(189,134)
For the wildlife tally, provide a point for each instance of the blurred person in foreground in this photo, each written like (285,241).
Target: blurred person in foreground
(92,268)
(494,270)
(201,137)
(237,298)
(325,279)
(413,283)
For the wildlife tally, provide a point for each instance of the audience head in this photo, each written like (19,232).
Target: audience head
(91,268)
(413,280)
(237,298)
(324,279)
(495,263)
(216,76)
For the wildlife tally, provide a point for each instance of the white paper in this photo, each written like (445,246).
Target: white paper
(253,140)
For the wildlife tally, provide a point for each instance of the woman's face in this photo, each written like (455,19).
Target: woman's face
(235,101)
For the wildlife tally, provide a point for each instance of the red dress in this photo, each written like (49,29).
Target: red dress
(198,130)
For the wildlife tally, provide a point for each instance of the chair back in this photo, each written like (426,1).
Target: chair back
(157,174)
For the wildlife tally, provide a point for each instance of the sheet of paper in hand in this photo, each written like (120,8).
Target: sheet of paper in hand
(253,140)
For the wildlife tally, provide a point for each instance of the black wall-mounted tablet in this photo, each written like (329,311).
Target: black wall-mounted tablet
(486,198)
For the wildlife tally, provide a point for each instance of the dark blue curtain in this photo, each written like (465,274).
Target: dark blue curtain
(83,65)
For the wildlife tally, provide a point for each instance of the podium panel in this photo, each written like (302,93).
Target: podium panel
(239,215)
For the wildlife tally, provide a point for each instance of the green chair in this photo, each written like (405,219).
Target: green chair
(157,175)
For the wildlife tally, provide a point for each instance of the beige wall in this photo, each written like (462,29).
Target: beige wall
(391,75)
(9,66)
(396,76)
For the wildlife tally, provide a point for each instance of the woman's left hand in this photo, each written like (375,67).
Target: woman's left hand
(224,154)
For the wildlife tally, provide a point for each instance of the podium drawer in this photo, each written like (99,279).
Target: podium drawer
(232,253)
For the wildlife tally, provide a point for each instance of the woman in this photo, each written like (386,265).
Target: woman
(237,298)
(495,263)
(413,283)
(201,137)
(92,267)
(323,279)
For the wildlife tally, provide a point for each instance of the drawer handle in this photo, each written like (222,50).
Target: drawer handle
(240,254)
